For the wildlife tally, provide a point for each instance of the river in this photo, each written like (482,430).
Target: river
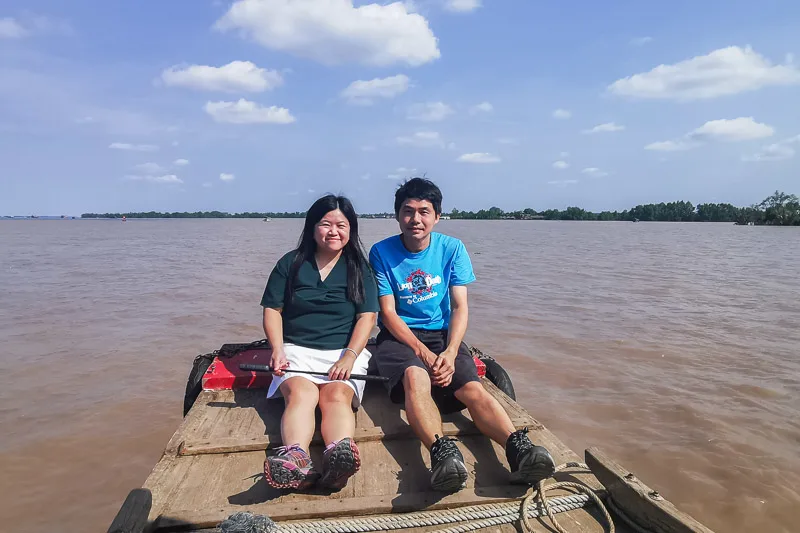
(672,346)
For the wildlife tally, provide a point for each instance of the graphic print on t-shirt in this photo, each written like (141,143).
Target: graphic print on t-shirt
(420,286)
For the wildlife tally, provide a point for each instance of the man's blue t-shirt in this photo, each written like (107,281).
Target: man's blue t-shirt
(420,281)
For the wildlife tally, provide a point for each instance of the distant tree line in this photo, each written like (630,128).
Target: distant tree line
(196,214)
(779,209)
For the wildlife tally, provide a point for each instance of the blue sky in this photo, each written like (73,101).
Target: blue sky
(258,105)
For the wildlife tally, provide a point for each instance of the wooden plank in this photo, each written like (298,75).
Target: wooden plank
(362,434)
(639,502)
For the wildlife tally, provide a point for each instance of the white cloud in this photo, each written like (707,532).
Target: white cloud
(726,71)
(594,172)
(562,114)
(235,77)
(737,129)
(507,140)
(641,41)
(605,128)
(246,112)
(227,177)
(393,177)
(669,146)
(150,168)
(723,130)
(311,191)
(483,107)
(561,165)
(11,29)
(367,148)
(207,185)
(335,31)
(562,183)
(462,6)
(429,112)
(563,154)
(366,176)
(180,162)
(478,157)
(133,147)
(364,92)
(423,139)
(775,152)
(169,178)
(404,169)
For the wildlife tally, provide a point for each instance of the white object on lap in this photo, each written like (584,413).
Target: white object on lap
(302,358)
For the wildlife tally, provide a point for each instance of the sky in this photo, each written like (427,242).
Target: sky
(265,105)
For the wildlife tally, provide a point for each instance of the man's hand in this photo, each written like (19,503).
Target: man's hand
(443,368)
(342,368)
(278,362)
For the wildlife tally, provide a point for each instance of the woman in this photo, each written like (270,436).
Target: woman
(320,305)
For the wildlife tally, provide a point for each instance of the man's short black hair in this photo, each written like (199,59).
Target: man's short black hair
(418,189)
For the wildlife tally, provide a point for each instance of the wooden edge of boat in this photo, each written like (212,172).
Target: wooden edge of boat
(638,502)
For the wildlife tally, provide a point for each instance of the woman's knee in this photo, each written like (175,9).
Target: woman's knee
(335,393)
(299,390)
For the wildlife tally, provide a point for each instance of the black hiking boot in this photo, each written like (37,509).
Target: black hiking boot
(529,463)
(448,471)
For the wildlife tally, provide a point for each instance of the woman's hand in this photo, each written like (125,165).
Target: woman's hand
(278,362)
(342,368)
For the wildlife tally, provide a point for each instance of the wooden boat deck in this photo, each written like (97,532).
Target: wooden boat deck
(213,465)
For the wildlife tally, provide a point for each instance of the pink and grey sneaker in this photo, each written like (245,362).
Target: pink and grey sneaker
(340,461)
(290,468)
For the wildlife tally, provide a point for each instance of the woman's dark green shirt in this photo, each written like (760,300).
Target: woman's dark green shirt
(320,315)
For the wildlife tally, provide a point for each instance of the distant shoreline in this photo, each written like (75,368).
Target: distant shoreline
(779,209)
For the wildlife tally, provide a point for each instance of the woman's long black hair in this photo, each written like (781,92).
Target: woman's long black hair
(353,250)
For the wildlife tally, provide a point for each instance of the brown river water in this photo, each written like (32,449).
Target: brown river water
(674,347)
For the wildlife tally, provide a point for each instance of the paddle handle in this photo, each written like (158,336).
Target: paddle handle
(267,368)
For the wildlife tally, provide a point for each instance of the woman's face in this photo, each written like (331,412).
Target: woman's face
(332,232)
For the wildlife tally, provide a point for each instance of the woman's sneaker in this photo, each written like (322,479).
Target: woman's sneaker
(448,471)
(529,463)
(340,461)
(290,468)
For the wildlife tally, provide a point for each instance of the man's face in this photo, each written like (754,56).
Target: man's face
(417,219)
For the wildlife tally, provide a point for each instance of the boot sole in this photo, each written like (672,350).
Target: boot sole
(343,463)
(280,477)
(451,477)
(539,467)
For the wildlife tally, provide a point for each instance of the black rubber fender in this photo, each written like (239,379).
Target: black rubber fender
(194,385)
(498,375)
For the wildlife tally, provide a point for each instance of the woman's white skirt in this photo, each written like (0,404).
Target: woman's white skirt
(302,358)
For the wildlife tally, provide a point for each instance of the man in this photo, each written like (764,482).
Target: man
(422,287)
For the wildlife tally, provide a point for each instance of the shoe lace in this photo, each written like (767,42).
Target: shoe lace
(443,448)
(519,440)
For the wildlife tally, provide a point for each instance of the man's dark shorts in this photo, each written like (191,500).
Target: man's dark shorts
(392,358)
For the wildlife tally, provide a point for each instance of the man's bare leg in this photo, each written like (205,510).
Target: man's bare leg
(423,415)
(528,463)
(487,413)
(448,471)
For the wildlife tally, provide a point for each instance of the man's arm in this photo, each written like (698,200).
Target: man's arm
(400,330)
(445,366)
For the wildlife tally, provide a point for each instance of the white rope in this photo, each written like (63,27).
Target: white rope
(540,495)
(481,516)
